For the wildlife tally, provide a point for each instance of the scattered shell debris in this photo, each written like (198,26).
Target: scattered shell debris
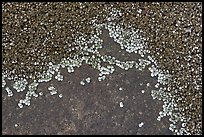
(85,81)
(52,90)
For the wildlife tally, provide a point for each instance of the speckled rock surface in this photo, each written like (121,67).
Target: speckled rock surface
(121,99)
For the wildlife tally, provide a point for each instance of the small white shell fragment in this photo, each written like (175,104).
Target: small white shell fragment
(139,10)
(59,77)
(141,124)
(157,85)
(51,88)
(40,93)
(16,125)
(35,95)
(158,118)
(121,104)
(9,92)
(101,78)
(53,92)
(142,91)
(88,80)
(60,95)
(3,82)
(82,83)
(120,88)
(148,84)
(20,105)
(183,124)
(50,63)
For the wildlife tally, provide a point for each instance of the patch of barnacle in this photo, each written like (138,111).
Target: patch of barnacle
(36,35)
(172,30)
(39,28)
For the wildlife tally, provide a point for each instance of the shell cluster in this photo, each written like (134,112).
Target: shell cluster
(38,39)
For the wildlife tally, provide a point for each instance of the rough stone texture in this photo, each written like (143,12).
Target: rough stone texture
(89,109)
(42,32)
